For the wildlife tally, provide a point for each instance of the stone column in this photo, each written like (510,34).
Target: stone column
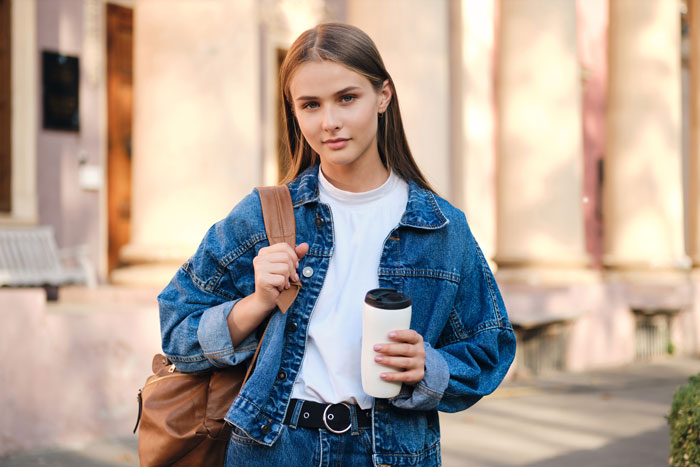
(476,178)
(196,138)
(694,150)
(540,234)
(642,193)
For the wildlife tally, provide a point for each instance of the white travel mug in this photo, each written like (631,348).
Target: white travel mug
(385,310)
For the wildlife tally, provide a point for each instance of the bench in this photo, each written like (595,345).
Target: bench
(29,257)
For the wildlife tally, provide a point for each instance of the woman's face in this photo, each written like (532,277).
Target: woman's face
(337,112)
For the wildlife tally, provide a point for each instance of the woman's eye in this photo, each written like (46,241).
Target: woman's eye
(348,98)
(309,105)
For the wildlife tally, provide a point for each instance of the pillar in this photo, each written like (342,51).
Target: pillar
(540,233)
(476,178)
(694,149)
(642,192)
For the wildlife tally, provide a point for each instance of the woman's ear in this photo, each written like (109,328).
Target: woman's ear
(385,94)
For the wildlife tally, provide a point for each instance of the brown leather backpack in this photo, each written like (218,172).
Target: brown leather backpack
(182,414)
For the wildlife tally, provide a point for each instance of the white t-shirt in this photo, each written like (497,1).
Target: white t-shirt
(330,371)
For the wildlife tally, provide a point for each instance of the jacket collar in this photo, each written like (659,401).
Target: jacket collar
(422,210)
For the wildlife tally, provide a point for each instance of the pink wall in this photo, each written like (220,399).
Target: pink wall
(71,372)
(72,211)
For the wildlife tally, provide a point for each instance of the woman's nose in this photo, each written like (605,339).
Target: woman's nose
(331,122)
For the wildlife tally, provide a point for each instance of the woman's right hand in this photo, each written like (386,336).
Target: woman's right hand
(275,266)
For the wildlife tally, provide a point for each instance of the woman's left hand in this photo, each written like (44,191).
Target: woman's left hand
(407,355)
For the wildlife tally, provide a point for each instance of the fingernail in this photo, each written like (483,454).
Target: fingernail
(378,358)
(296,264)
(296,277)
(383,376)
(287,286)
(392,334)
(378,347)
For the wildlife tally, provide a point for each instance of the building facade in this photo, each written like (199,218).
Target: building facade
(568,131)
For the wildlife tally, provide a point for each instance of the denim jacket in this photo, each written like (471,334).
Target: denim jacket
(431,255)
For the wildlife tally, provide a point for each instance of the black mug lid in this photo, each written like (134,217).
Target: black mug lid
(387,299)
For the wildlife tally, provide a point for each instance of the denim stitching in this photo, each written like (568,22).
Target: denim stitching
(252,241)
(437,209)
(219,353)
(458,334)
(204,287)
(421,454)
(261,412)
(429,392)
(221,292)
(486,326)
(430,273)
(487,276)
(320,252)
(419,389)
(177,358)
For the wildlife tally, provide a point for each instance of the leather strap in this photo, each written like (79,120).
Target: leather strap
(280,226)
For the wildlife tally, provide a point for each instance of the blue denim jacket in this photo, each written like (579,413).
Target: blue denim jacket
(431,255)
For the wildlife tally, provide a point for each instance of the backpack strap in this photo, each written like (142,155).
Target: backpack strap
(280,226)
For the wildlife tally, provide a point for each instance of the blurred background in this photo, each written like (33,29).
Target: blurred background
(567,130)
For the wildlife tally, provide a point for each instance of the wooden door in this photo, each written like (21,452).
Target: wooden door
(119,116)
(5,108)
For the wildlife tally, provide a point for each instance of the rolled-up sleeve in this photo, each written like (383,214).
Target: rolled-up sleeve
(426,395)
(215,339)
(475,349)
(194,327)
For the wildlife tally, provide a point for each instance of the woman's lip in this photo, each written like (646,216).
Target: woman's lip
(338,143)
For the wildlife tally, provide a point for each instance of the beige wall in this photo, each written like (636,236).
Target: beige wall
(196,140)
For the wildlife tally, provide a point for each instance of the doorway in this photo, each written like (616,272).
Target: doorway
(120,23)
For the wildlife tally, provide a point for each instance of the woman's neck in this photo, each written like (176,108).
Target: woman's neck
(356,179)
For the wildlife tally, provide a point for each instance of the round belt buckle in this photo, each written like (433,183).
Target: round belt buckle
(325,419)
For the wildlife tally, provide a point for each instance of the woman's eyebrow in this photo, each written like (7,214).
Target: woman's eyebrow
(342,91)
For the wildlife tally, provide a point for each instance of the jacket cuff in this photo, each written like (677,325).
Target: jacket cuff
(215,339)
(426,395)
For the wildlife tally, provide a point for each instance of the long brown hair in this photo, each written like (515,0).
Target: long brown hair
(351,47)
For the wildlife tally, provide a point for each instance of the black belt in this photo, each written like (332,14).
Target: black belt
(332,417)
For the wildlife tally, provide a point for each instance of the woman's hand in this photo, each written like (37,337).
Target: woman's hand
(407,355)
(275,266)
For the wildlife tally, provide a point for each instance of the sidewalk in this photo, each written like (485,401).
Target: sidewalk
(608,418)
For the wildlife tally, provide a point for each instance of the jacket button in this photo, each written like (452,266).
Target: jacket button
(265,429)
(281,375)
(292,327)
(319,222)
(307,271)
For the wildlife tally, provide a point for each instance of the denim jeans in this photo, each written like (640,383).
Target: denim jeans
(303,447)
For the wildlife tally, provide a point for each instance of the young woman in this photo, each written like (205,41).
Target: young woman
(365,218)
